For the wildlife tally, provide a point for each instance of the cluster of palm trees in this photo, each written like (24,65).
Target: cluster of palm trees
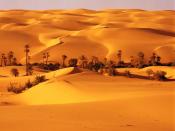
(8,59)
(46,57)
(29,69)
(94,63)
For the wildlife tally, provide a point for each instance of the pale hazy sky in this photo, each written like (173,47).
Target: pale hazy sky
(88,4)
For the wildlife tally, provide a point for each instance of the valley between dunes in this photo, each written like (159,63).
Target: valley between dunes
(74,99)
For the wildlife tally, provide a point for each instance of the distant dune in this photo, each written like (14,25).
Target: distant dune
(88,32)
(74,99)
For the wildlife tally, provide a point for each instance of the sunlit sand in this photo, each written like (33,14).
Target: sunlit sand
(77,99)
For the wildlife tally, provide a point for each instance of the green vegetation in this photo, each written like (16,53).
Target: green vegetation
(16,88)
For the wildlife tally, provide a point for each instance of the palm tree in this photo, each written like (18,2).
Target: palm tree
(105,61)
(153,59)
(64,57)
(5,61)
(27,50)
(44,57)
(132,61)
(73,62)
(10,57)
(119,56)
(94,59)
(47,57)
(2,59)
(14,61)
(141,59)
(84,61)
(158,59)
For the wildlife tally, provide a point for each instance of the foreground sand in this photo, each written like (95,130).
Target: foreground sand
(80,100)
(85,101)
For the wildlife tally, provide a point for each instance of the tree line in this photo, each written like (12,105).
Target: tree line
(93,63)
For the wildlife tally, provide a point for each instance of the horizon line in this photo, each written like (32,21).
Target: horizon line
(25,9)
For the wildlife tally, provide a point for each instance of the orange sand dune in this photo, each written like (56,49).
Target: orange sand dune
(81,100)
(86,101)
(107,30)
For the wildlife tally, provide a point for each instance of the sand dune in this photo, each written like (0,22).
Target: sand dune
(71,85)
(81,100)
(6,79)
(92,101)
(78,45)
(19,40)
(109,29)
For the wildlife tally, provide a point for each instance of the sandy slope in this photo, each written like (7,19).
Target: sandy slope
(121,115)
(5,80)
(82,100)
(106,31)
(88,101)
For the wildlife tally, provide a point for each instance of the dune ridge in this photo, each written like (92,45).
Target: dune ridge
(74,99)
(113,29)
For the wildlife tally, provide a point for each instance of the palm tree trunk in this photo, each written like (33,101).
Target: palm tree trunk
(27,64)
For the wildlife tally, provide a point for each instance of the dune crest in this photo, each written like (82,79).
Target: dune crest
(110,29)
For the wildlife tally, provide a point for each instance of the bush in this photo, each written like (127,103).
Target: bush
(73,62)
(15,72)
(39,79)
(97,66)
(160,75)
(49,66)
(35,64)
(11,87)
(111,71)
(101,71)
(150,72)
(28,84)
(15,88)
(127,73)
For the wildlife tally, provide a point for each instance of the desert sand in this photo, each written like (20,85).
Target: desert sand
(92,33)
(78,99)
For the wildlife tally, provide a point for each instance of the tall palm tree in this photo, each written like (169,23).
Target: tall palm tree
(27,50)
(10,57)
(158,60)
(2,59)
(105,61)
(94,59)
(44,58)
(14,61)
(84,61)
(132,61)
(47,57)
(5,61)
(141,59)
(64,57)
(119,56)
(153,59)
